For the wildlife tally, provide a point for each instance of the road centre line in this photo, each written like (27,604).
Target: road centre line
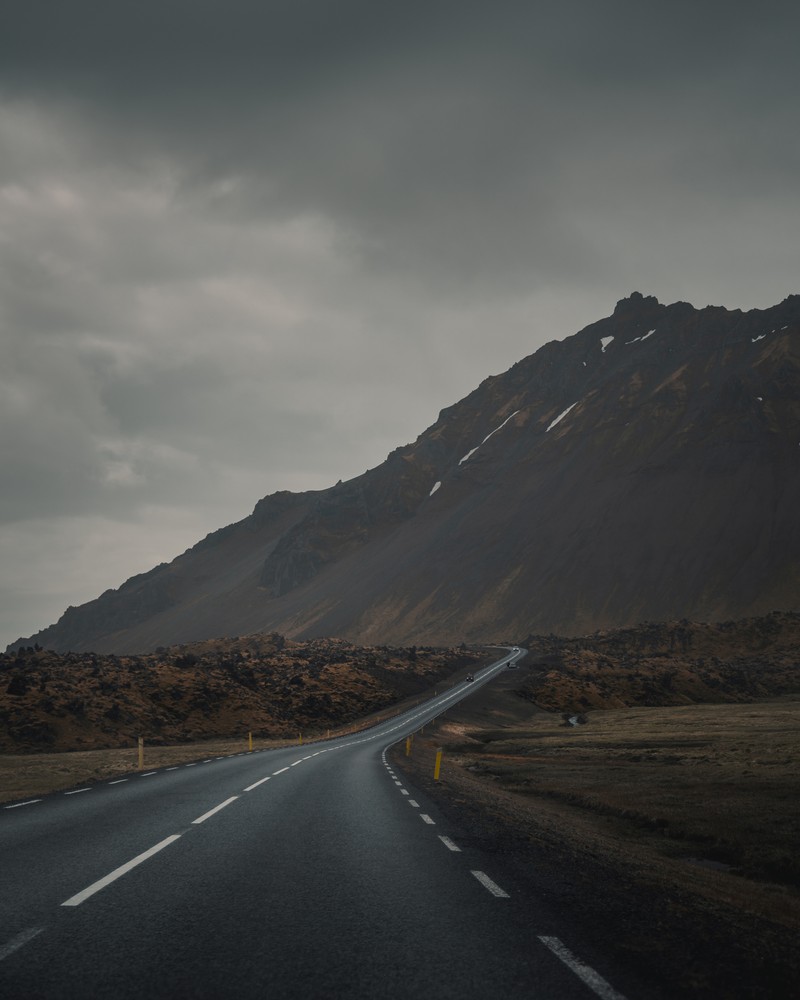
(216,809)
(257,783)
(19,805)
(80,897)
(487,883)
(448,843)
(297,762)
(593,980)
(18,941)
(280,772)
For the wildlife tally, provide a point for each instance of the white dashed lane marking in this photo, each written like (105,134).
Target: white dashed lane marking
(593,980)
(257,783)
(216,809)
(19,805)
(426,819)
(493,887)
(448,843)
(79,897)
(77,791)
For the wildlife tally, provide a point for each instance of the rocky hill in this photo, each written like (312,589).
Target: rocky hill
(646,468)
(659,664)
(266,685)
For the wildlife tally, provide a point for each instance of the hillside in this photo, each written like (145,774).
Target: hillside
(646,468)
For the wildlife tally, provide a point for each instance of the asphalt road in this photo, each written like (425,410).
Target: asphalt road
(308,872)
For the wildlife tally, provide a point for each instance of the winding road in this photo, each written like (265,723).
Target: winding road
(307,872)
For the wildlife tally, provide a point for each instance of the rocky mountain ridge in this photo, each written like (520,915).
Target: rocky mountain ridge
(645,468)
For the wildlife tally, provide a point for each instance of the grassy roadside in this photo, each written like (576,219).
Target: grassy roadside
(670,832)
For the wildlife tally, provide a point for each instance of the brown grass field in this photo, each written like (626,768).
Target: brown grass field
(712,785)
(669,833)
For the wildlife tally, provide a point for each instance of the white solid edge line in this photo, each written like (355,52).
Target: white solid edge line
(216,809)
(448,843)
(18,941)
(79,897)
(493,887)
(18,805)
(593,980)
(257,783)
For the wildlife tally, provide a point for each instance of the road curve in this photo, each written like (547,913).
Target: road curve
(306,872)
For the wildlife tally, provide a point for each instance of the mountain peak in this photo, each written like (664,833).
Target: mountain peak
(635,301)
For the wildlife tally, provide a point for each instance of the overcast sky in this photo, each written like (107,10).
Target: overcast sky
(253,245)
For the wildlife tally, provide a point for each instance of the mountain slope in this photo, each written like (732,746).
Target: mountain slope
(644,468)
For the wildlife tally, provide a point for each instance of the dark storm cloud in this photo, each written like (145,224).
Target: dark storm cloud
(440,133)
(249,246)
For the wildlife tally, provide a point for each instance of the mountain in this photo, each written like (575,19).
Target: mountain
(646,468)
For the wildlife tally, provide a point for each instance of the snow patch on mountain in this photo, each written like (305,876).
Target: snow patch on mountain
(636,340)
(469,454)
(561,416)
(605,341)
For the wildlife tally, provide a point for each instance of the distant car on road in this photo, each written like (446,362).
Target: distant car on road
(470,678)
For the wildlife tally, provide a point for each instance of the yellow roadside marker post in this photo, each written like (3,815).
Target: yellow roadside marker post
(408,746)
(301,739)
(438,766)
(141,753)
(250,742)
